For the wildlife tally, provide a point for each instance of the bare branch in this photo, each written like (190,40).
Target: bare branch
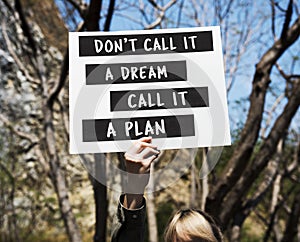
(155,5)
(25,26)
(7,171)
(161,14)
(63,74)
(288,18)
(92,19)
(109,15)
(62,79)
(80,6)
(270,116)
(284,75)
(179,13)
(227,10)
(168,5)
(65,118)
(280,204)
(33,139)
(142,10)
(262,157)
(131,18)
(156,22)
(294,217)
(273,18)
(267,181)
(296,160)
(274,202)
(7,4)
(218,6)
(259,194)
(279,7)
(261,80)
(205,186)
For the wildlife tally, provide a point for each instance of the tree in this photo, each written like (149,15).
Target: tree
(239,174)
(264,160)
(40,75)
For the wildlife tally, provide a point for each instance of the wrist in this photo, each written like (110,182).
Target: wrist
(135,183)
(133,201)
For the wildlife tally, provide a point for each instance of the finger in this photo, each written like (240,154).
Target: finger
(144,170)
(145,139)
(144,144)
(148,152)
(144,155)
(132,158)
(140,146)
(147,163)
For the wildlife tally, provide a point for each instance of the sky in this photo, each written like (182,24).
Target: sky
(246,35)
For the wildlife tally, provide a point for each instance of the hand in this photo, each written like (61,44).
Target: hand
(138,158)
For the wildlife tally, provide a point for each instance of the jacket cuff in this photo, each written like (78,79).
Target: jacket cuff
(131,217)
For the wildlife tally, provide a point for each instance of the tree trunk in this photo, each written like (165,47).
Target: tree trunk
(274,218)
(236,166)
(292,225)
(235,233)
(39,70)
(151,214)
(100,190)
(100,196)
(205,187)
(56,173)
(57,176)
(262,157)
(193,185)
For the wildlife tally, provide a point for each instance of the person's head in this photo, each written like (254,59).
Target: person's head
(191,225)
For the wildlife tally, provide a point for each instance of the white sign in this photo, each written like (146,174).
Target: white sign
(168,84)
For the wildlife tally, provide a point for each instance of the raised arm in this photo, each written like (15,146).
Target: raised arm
(132,206)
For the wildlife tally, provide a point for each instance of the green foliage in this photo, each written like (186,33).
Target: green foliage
(47,235)
(163,214)
(249,235)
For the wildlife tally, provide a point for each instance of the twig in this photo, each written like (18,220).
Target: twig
(62,79)
(109,15)
(273,19)
(25,26)
(284,75)
(161,14)
(142,10)
(287,20)
(268,122)
(155,5)
(80,6)
(63,74)
(21,134)
(179,13)
(10,8)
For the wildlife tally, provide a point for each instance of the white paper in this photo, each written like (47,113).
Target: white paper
(204,70)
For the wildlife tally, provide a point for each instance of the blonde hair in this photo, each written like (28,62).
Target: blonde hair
(194,226)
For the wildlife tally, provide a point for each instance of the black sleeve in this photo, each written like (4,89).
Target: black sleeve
(130,225)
